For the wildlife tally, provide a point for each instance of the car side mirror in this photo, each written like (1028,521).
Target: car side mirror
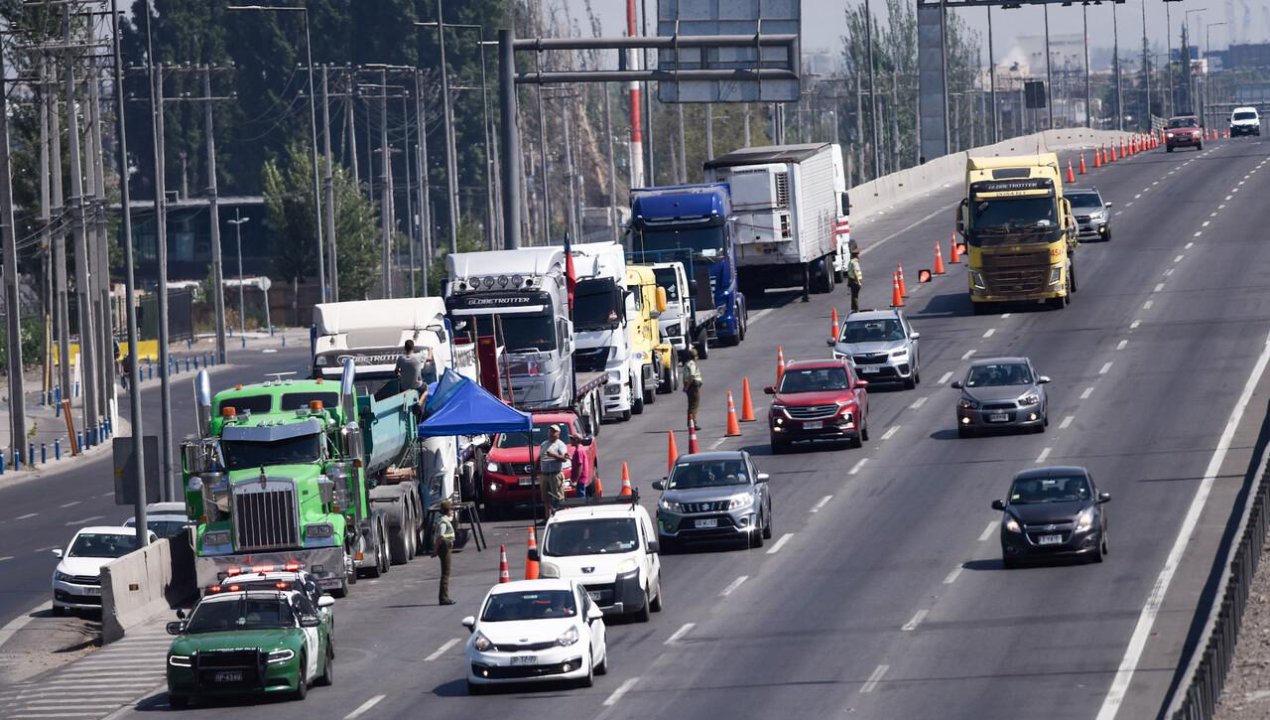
(659,484)
(1104,497)
(534,555)
(769,390)
(180,613)
(57,552)
(915,336)
(956,385)
(831,342)
(654,547)
(594,613)
(1042,379)
(862,384)
(310,621)
(762,477)
(998,505)
(1107,205)
(326,601)
(176,627)
(469,622)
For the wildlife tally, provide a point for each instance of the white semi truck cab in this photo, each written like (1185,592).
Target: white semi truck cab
(600,323)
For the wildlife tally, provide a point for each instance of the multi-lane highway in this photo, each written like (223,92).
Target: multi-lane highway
(882,594)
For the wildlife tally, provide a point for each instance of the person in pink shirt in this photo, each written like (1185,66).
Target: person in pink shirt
(581,467)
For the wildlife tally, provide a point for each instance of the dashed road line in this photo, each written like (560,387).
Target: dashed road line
(858,464)
(1147,305)
(943,379)
(951,577)
(732,586)
(85,521)
(620,691)
(72,503)
(988,531)
(1204,224)
(1044,454)
(1158,287)
(678,634)
(918,403)
(1121,345)
(1178,259)
(916,620)
(364,708)
(780,543)
(1067,422)
(1134,325)
(1188,246)
(28,516)
(824,500)
(1005,316)
(966,355)
(442,650)
(1169,272)
(1106,367)
(714,445)
(989,332)
(870,684)
(890,432)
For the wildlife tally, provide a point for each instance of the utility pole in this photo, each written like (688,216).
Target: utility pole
(385,187)
(542,153)
(511,139)
(709,131)
(352,129)
(1146,71)
(405,163)
(1049,75)
(608,148)
(992,78)
(12,299)
(46,241)
(100,274)
(61,299)
(873,103)
(1115,44)
(683,149)
(218,268)
(451,166)
(83,294)
(1084,15)
(168,483)
(329,187)
(571,217)
(421,155)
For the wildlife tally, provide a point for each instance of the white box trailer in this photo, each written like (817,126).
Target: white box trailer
(788,201)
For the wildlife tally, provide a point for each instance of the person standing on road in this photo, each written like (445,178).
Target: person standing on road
(692,386)
(443,532)
(553,456)
(855,279)
(581,468)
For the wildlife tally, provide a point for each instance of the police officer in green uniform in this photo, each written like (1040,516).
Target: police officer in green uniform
(443,531)
(692,386)
(855,279)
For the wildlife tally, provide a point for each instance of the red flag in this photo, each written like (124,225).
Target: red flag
(571,276)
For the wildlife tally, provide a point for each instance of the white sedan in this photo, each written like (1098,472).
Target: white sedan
(536,631)
(77,579)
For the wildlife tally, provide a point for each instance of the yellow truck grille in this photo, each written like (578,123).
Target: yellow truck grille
(1020,274)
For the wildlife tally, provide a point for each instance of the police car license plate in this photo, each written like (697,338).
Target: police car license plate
(999,417)
(524,659)
(1049,540)
(708,523)
(814,425)
(524,481)
(229,676)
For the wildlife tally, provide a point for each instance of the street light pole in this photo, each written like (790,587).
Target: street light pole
(1084,14)
(1115,44)
(992,80)
(1049,77)
(1190,84)
(1208,91)
(237,222)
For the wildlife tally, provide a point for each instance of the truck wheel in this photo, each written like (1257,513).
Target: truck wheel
(703,345)
(637,400)
(341,592)
(398,548)
(743,322)
(650,392)
(664,379)
(675,380)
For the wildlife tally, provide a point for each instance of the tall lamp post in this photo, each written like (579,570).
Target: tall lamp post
(237,222)
(1208,47)
(1190,95)
(317,184)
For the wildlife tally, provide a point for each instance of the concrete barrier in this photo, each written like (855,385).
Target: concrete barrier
(889,191)
(145,584)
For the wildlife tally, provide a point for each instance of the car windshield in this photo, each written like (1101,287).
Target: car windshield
(708,473)
(162,528)
(814,380)
(247,404)
(669,281)
(1031,491)
(1245,115)
(301,400)
(999,374)
(243,613)
(598,536)
(537,605)
(243,454)
(517,440)
(861,331)
(705,241)
(1085,200)
(102,545)
(1183,122)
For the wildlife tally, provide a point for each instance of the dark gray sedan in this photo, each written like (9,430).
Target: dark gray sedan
(1053,512)
(1002,392)
(715,496)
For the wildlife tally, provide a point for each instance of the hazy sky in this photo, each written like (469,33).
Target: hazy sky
(824,24)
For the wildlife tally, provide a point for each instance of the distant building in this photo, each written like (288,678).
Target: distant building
(1248,56)
(190,238)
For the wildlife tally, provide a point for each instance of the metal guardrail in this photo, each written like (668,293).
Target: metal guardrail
(1197,696)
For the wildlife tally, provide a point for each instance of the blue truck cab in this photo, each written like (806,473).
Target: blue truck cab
(693,224)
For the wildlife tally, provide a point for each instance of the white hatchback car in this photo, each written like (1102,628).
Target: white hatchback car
(166,519)
(77,579)
(536,631)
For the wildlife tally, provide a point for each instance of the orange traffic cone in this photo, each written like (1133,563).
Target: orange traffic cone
(897,300)
(1098,158)
(1113,153)
(954,253)
(833,324)
(692,440)
(531,565)
(1071,175)
(672,452)
(504,575)
(780,364)
(627,491)
(1083,169)
(899,272)
(939,260)
(733,427)
(747,402)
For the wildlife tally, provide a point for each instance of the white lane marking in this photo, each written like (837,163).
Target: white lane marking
(442,650)
(825,500)
(5,557)
(732,586)
(1005,315)
(1147,305)
(1198,233)
(1178,259)
(620,691)
(943,379)
(918,403)
(858,464)
(989,332)
(1085,395)
(1138,196)
(28,516)
(917,619)
(874,679)
(966,355)
(85,521)
(1067,422)
(1121,345)
(1188,246)
(1105,368)
(364,708)
(951,577)
(1222,206)
(1204,224)
(988,531)
(72,503)
(1134,325)
(1169,272)
(13,626)
(780,543)
(683,630)
(890,433)
(759,315)
(1213,214)
(901,231)
(714,445)
(1146,621)
(1044,454)
(1158,287)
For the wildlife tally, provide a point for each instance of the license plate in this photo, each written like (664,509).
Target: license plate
(814,425)
(524,660)
(999,417)
(1049,540)
(708,523)
(524,481)
(229,676)
(869,369)
(92,591)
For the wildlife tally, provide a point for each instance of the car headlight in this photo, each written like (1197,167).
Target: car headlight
(1056,274)
(491,467)
(967,404)
(736,502)
(280,656)
(183,661)
(901,353)
(319,531)
(549,570)
(1012,525)
(627,565)
(568,637)
(482,643)
(63,577)
(1170,135)
(777,408)
(670,506)
(216,538)
(1030,399)
(1085,520)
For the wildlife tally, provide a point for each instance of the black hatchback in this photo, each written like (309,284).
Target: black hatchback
(1053,512)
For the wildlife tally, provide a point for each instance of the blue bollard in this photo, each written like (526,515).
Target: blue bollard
(284,341)
(189,343)
(57,449)
(79,439)
(44,454)
(244,339)
(76,388)
(187,363)
(30,454)
(17,460)
(57,410)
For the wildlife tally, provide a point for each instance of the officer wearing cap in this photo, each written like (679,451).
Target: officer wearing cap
(443,531)
(554,459)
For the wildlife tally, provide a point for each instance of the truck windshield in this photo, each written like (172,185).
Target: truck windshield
(597,305)
(521,333)
(705,241)
(1013,221)
(666,280)
(245,454)
(591,537)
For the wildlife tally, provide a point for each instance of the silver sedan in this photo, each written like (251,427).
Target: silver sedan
(1002,392)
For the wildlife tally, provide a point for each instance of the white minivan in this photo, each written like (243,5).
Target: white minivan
(1245,121)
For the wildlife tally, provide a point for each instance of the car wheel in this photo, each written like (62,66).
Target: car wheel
(59,611)
(767,523)
(910,382)
(328,671)
(644,614)
(1199,147)
(588,680)
(1107,237)
(178,702)
(657,600)
(301,681)
(756,539)
(864,433)
(779,447)
(1009,563)
(626,415)
(965,432)
(474,689)
(856,442)
(1168,148)
(603,667)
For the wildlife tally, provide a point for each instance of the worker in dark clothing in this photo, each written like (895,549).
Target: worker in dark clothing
(692,386)
(443,531)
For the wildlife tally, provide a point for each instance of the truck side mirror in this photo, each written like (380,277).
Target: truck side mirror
(961,217)
(846,203)
(661,300)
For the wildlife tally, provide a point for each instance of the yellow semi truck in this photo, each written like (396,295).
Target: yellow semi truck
(645,304)
(1019,231)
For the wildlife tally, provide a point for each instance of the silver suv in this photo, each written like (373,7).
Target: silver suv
(716,496)
(1093,214)
(882,346)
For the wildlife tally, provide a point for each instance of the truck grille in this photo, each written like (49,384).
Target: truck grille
(1022,274)
(265,518)
(811,412)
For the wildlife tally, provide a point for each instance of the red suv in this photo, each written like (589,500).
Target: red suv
(1183,131)
(509,476)
(818,400)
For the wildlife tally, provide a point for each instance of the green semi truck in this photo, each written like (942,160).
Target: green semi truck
(309,471)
